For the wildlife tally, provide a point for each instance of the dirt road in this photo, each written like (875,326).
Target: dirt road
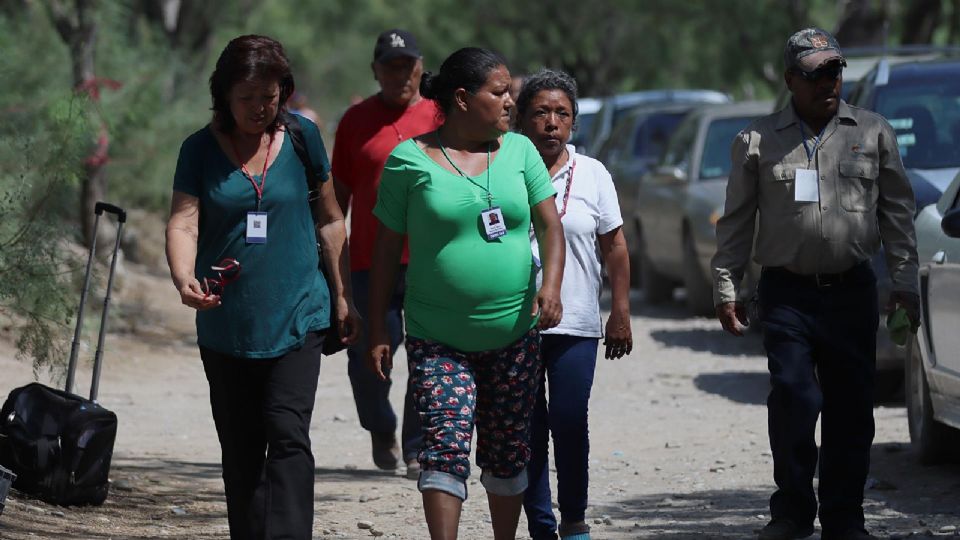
(678,432)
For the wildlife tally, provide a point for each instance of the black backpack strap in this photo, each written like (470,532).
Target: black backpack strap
(314,177)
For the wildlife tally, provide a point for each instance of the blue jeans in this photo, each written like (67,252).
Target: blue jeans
(570,362)
(371,395)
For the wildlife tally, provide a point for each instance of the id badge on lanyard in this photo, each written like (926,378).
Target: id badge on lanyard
(493,224)
(256,227)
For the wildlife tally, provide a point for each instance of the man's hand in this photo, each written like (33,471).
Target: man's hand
(910,303)
(733,317)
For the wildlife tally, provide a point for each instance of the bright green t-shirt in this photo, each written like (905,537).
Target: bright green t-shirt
(462,290)
(279,295)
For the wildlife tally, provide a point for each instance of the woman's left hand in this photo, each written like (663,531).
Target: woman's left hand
(348,321)
(619,337)
(547,304)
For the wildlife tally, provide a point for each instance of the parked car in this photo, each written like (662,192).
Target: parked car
(932,367)
(679,202)
(587,109)
(615,107)
(921,100)
(633,147)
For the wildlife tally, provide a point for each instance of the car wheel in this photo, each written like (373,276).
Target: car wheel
(657,289)
(699,288)
(928,437)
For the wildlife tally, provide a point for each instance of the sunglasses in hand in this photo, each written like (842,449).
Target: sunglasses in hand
(227,270)
(831,72)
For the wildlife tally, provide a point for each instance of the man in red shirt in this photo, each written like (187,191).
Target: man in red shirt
(366,135)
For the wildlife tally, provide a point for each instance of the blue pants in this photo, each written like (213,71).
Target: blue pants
(371,395)
(570,362)
(821,349)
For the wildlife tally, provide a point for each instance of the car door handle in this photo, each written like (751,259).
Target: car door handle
(939,257)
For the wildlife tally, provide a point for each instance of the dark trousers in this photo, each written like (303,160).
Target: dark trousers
(371,395)
(570,363)
(821,349)
(262,410)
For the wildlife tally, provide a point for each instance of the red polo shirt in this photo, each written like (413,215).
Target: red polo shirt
(366,135)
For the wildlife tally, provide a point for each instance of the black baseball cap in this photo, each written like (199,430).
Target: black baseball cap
(394,43)
(810,49)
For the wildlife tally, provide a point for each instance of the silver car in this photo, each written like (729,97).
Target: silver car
(678,204)
(932,367)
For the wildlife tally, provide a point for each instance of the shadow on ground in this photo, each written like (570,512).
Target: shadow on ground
(710,340)
(697,515)
(750,388)
(150,498)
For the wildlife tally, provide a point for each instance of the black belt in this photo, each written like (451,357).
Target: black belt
(819,281)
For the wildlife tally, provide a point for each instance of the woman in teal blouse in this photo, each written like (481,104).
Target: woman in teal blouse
(464,195)
(241,250)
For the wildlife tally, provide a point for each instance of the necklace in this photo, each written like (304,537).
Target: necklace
(486,189)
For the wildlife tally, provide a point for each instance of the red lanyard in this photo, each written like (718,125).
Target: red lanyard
(246,173)
(566,191)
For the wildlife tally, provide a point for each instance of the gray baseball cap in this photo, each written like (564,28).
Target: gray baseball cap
(810,49)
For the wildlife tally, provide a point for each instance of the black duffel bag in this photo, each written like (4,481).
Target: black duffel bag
(59,444)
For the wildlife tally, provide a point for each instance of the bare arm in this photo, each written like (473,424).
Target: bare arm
(549,231)
(183,229)
(613,249)
(387,249)
(332,233)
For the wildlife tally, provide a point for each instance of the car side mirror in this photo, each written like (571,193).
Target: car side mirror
(672,172)
(951,223)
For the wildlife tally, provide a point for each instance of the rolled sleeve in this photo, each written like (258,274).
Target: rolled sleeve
(735,229)
(895,210)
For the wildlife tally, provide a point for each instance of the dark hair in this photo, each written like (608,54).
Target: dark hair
(546,79)
(249,58)
(467,68)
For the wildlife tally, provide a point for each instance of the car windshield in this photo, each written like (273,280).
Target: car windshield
(715,162)
(652,134)
(925,115)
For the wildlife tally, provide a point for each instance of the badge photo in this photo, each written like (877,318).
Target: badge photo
(493,223)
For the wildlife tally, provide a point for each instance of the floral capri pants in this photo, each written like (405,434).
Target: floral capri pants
(494,390)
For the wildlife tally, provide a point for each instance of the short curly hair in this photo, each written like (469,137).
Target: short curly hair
(546,79)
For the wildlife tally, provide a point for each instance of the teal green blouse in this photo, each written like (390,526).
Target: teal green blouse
(279,295)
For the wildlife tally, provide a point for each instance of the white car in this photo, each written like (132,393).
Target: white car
(932,367)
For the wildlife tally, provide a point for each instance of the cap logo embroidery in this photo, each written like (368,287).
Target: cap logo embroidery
(396,41)
(819,41)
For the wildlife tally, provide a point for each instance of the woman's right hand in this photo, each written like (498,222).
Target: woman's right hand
(379,359)
(192,295)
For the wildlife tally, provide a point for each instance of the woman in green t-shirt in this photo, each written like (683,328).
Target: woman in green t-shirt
(464,196)
(240,205)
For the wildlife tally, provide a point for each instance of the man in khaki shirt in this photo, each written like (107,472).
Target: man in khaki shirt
(829,187)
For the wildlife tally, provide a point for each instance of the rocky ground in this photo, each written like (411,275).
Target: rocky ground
(679,447)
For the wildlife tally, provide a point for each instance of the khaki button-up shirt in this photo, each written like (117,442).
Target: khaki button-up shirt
(865,198)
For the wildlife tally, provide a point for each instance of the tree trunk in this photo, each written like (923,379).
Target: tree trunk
(78,29)
(862,24)
(920,19)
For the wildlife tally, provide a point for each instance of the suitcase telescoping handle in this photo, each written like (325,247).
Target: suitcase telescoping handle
(121,214)
(102,207)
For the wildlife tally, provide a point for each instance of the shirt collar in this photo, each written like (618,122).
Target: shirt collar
(572,155)
(788,117)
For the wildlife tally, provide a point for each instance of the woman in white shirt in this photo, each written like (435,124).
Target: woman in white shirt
(588,207)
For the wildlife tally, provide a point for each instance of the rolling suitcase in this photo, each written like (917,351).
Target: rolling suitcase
(57,443)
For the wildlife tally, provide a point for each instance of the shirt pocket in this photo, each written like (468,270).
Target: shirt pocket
(857,185)
(780,186)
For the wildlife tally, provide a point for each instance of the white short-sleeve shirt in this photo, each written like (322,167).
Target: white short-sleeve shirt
(592,209)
